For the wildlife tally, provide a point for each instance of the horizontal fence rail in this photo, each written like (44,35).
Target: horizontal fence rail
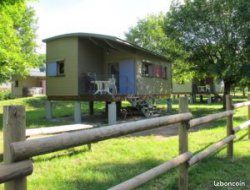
(15,170)
(242,104)
(17,148)
(210,150)
(241,126)
(56,130)
(210,118)
(25,149)
(152,173)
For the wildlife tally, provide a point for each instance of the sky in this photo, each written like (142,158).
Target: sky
(109,17)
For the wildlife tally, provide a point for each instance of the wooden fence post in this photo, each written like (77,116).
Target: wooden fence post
(248,116)
(183,144)
(13,131)
(229,126)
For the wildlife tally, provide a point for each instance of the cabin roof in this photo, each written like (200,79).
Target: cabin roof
(106,39)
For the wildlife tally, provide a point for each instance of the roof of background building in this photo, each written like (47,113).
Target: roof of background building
(37,72)
(106,39)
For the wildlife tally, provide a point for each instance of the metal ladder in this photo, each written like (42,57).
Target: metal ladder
(142,105)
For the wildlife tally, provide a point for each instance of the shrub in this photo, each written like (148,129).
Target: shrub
(5,94)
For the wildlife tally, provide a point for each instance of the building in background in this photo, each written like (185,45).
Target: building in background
(196,87)
(34,84)
(5,86)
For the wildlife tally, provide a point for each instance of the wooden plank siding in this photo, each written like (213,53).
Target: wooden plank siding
(151,85)
(63,49)
(83,55)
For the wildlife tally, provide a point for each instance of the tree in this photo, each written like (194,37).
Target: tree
(216,34)
(243,84)
(17,38)
(150,33)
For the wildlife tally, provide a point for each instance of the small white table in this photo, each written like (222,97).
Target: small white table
(102,87)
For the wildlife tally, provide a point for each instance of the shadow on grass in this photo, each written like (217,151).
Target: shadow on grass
(214,168)
(61,154)
(108,174)
(36,102)
(204,111)
(242,137)
(36,119)
(62,112)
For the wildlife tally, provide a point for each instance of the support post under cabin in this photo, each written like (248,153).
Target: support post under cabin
(193,98)
(49,110)
(118,108)
(106,108)
(112,113)
(14,123)
(169,105)
(77,112)
(91,108)
(209,99)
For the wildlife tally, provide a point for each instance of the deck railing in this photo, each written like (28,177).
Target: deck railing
(106,84)
(18,150)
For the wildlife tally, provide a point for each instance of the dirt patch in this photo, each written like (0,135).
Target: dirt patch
(100,120)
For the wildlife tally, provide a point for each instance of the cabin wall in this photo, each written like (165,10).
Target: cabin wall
(151,85)
(126,83)
(116,56)
(91,61)
(63,49)
(17,92)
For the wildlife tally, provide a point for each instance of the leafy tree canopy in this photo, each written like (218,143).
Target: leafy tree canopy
(150,33)
(17,38)
(216,33)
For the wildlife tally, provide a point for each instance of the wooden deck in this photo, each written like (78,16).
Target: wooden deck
(106,97)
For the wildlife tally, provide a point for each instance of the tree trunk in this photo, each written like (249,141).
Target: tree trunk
(227,89)
(243,92)
(201,98)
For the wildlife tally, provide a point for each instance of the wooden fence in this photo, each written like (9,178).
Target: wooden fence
(18,151)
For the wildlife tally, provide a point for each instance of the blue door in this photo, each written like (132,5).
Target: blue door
(127,77)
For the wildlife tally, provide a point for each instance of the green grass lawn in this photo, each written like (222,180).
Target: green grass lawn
(116,160)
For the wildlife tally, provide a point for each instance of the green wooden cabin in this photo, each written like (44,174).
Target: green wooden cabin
(77,62)
(74,59)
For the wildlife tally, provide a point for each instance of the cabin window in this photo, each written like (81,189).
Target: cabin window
(165,72)
(16,84)
(146,69)
(60,67)
(154,70)
(55,68)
